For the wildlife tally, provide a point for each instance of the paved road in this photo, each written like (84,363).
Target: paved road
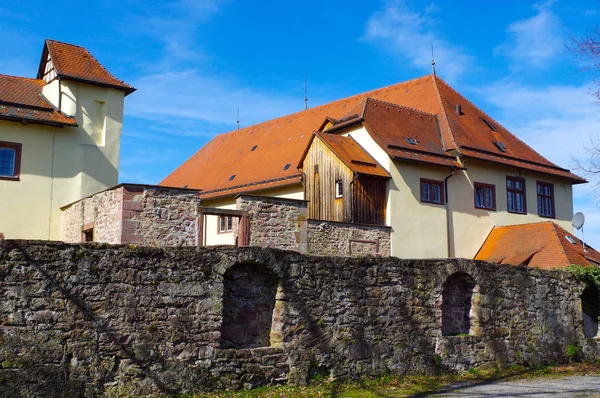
(573,386)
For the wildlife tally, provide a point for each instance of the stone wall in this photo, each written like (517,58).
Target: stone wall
(328,238)
(276,222)
(102,212)
(139,214)
(84,320)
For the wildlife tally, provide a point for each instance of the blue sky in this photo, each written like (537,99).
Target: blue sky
(195,62)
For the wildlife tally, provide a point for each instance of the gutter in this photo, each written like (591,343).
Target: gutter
(449,228)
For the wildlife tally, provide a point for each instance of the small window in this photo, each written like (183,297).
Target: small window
(225,224)
(490,125)
(254,148)
(432,191)
(88,235)
(10,160)
(412,141)
(500,145)
(570,239)
(287,166)
(515,195)
(485,196)
(232,177)
(339,189)
(545,198)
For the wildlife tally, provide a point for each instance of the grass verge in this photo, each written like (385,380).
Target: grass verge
(407,386)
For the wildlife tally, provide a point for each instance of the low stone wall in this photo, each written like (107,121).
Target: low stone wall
(102,212)
(328,238)
(85,320)
(139,214)
(276,222)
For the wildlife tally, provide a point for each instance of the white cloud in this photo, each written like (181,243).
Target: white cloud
(534,41)
(410,34)
(190,94)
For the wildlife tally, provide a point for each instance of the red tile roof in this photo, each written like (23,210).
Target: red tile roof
(283,140)
(391,126)
(544,245)
(76,63)
(21,99)
(352,154)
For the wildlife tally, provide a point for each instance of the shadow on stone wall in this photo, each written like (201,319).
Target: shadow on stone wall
(100,319)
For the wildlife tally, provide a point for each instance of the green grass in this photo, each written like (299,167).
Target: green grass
(405,386)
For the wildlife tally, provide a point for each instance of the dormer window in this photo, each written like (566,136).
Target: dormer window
(412,141)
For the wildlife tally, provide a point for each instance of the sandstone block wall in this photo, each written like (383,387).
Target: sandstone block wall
(86,320)
(139,214)
(328,238)
(102,212)
(276,222)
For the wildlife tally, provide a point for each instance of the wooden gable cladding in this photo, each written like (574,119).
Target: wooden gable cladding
(363,200)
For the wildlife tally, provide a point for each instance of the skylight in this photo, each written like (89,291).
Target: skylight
(570,239)
(287,166)
(500,145)
(254,148)
(412,141)
(490,125)
(232,177)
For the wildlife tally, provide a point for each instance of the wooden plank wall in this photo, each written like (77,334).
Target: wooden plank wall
(363,202)
(320,185)
(369,198)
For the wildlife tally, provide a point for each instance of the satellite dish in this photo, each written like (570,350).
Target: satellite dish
(578,220)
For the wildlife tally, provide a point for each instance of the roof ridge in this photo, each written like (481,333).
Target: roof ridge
(22,77)
(322,105)
(497,123)
(560,243)
(64,42)
(444,115)
(400,106)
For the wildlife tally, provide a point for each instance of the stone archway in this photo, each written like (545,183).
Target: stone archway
(458,305)
(251,317)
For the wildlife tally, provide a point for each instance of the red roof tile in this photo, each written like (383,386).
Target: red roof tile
(543,245)
(352,154)
(76,63)
(284,139)
(21,99)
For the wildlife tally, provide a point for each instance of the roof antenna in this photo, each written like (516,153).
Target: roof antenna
(238,118)
(305,94)
(432,61)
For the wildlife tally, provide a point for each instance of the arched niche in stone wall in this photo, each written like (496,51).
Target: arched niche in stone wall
(252,310)
(459,305)
(589,312)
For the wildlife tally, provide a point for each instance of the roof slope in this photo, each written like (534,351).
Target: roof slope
(283,140)
(21,99)
(352,154)
(544,245)
(404,133)
(76,63)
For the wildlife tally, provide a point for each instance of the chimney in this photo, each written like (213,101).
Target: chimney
(458,109)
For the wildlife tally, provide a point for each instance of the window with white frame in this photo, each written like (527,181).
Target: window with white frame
(339,189)
(225,224)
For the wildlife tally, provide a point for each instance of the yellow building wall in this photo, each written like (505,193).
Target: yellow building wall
(471,226)
(61,165)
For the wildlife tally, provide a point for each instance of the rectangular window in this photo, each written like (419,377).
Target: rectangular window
(10,160)
(485,196)
(225,224)
(432,191)
(515,195)
(339,189)
(545,199)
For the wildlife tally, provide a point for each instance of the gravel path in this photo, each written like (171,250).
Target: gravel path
(572,386)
